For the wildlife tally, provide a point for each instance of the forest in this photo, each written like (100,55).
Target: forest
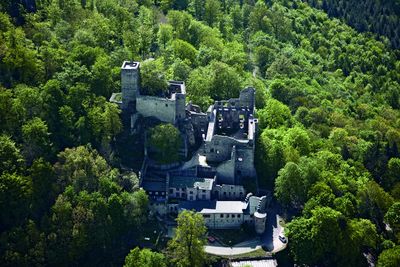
(327,98)
(380,17)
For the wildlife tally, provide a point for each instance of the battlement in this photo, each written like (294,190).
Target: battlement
(130,65)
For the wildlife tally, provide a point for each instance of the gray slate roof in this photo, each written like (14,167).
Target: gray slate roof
(191,182)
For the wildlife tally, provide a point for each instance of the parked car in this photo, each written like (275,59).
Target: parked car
(211,239)
(282,239)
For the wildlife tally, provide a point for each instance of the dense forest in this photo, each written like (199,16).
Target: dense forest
(380,17)
(327,98)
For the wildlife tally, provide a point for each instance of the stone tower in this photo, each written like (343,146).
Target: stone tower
(130,80)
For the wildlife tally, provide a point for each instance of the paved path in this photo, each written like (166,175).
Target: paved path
(273,229)
(241,248)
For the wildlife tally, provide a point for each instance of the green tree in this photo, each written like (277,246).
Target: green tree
(289,187)
(226,83)
(164,35)
(274,115)
(393,173)
(144,257)
(212,12)
(374,202)
(187,247)
(36,139)
(15,193)
(392,217)
(153,80)
(10,156)
(81,167)
(389,257)
(184,51)
(199,86)
(318,234)
(166,141)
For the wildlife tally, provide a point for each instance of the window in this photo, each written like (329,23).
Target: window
(227,215)
(156,193)
(221,216)
(166,105)
(233,216)
(191,192)
(203,191)
(206,215)
(239,216)
(191,198)
(212,150)
(171,191)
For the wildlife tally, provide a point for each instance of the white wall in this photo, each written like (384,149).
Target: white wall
(223,221)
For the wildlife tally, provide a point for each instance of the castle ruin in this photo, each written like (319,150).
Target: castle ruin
(221,141)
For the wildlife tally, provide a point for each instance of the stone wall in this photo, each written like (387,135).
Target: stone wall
(244,162)
(163,109)
(190,194)
(225,220)
(226,172)
(247,97)
(229,192)
(220,147)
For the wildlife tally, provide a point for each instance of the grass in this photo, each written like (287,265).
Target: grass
(153,230)
(250,255)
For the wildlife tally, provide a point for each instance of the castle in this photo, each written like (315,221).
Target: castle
(222,142)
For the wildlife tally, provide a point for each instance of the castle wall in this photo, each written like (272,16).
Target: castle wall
(225,220)
(219,148)
(163,109)
(226,170)
(229,191)
(180,106)
(245,162)
(247,97)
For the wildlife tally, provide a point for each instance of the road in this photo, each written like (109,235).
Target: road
(273,229)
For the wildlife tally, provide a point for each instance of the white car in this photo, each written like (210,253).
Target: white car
(282,238)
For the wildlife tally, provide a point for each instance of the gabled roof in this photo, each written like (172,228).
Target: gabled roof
(191,182)
(218,207)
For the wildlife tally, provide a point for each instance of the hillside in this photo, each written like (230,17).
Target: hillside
(327,99)
(380,17)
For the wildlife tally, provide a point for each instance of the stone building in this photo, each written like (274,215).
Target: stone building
(221,142)
(169,108)
(227,214)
